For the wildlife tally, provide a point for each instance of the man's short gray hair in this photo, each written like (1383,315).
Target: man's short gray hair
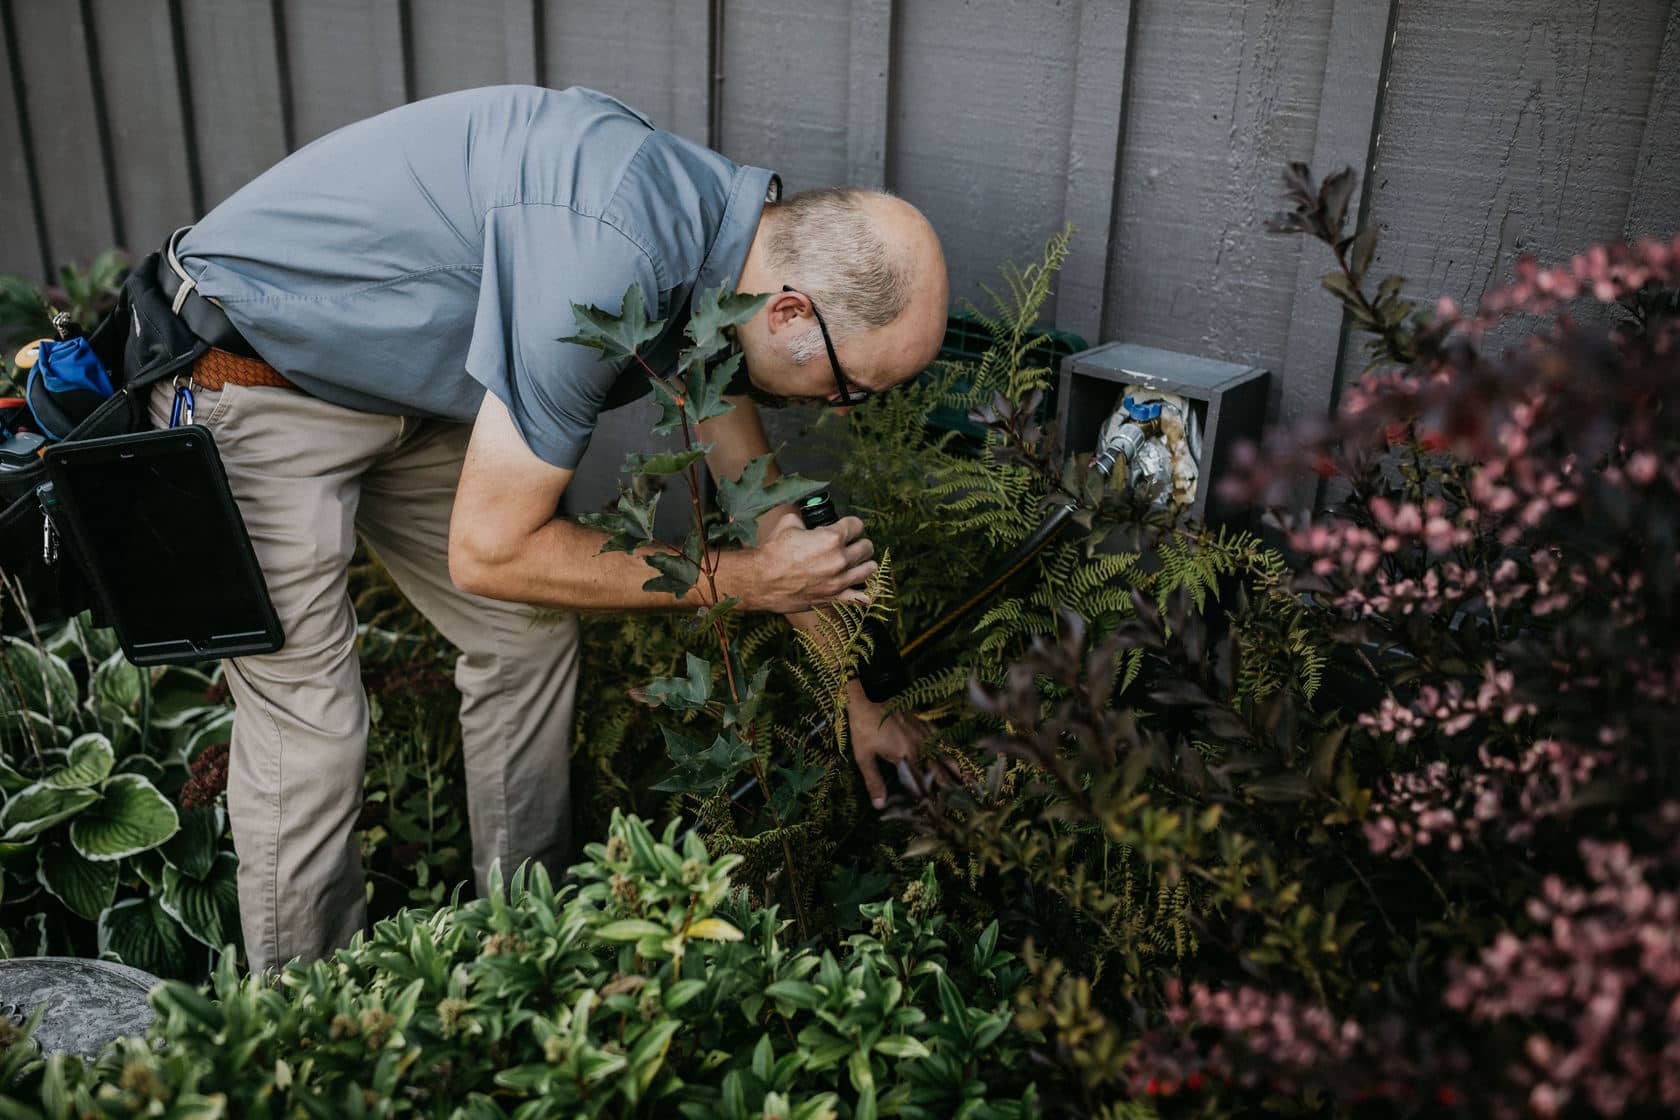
(823,243)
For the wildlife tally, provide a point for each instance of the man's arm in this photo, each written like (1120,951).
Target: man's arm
(877,739)
(505,542)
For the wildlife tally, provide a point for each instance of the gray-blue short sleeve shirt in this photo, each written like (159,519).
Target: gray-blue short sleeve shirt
(409,262)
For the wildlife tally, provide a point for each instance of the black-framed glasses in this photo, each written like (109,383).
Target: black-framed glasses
(849,397)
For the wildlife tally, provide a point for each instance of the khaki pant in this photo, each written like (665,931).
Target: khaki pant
(308,476)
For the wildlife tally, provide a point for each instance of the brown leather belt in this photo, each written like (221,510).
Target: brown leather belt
(220,367)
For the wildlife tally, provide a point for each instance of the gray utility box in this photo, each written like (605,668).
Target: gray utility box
(1228,400)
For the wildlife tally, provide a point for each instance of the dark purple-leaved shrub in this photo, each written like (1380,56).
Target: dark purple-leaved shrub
(1437,870)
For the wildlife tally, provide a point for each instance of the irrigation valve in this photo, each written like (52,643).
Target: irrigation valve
(1158,439)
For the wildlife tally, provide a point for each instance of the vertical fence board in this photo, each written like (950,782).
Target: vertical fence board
(589,42)
(1509,127)
(77,208)
(1099,91)
(458,44)
(148,135)
(1347,122)
(980,134)
(22,246)
(867,92)
(521,29)
(781,105)
(344,62)
(1220,96)
(1654,206)
(234,80)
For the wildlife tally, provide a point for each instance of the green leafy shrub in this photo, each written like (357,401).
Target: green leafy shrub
(650,989)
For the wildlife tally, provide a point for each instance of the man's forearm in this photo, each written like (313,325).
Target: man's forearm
(561,565)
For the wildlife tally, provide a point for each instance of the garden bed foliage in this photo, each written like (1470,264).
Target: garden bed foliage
(1375,819)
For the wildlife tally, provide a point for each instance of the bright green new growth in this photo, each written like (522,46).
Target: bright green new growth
(649,990)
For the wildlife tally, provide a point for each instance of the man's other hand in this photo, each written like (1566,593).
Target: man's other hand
(794,568)
(881,740)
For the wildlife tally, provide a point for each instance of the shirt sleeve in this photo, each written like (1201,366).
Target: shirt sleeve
(538,261)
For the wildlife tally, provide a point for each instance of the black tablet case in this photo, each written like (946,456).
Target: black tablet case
(174,569)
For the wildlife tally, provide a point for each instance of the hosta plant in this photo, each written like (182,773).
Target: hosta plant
(98,853)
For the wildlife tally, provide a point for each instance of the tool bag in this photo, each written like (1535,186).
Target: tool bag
(140,343)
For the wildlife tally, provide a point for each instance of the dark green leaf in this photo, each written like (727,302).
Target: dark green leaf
(208,907)
(665,462)
(711,314)
(39,807)
(130,816)
(628,525)
(91,759)
(82,885)
(677,573)
(747,498)
(193,849)
(616,336)
(705,391)
(142,936)
(681,693)
(45,682)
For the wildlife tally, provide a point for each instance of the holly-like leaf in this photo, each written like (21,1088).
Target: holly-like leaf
(91,759)
(711,314)
(672,401)
(36,809)
(705,616)
(788,791)
(677,573)
(747,498)
(702,769)
(744,711)
(628,525)
(616,336)
(82,885)
(706,388)
(130,816)
(681,694)
(665,462)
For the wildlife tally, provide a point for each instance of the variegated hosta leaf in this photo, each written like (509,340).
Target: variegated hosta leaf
(91,758)
(34,810)
(118,681)
(22,733)
(46,684)
(142,935)
(82,885)
(130,816)
(193,849)
(207,908)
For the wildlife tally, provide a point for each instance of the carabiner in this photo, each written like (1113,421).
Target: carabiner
(182,410)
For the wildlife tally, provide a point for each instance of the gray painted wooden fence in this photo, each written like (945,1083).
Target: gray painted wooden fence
(1157,127)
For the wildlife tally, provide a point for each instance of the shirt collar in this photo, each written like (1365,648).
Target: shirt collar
(748,192)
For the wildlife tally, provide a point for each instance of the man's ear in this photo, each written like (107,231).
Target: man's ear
(785,309)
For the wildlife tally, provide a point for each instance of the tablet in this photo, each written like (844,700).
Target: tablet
(151,520)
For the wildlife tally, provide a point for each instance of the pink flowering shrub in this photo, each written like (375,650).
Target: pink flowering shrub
(1448,881)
